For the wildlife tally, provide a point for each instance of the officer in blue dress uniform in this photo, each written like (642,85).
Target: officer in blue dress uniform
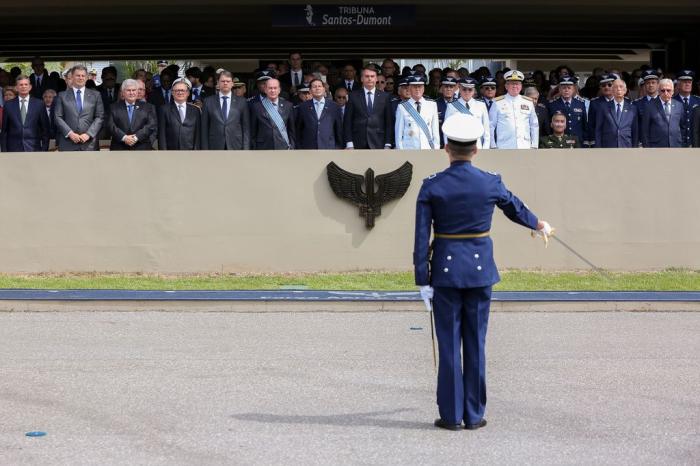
(689,101)
(572,106)
(651,86)
(459,203)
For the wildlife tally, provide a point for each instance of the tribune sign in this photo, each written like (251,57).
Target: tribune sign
(318,16)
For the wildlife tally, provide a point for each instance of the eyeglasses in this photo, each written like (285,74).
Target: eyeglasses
(179,90)
(489,88)
(670,91)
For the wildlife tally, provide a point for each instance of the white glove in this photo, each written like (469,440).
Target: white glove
(426,292)
(545,232)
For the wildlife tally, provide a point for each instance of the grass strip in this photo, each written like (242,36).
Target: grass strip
(512,280)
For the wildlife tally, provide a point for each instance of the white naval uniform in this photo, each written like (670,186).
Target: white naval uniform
(408,134)
(513,123)
(478,109)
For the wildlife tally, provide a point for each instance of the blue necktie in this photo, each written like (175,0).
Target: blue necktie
(319,109)
(79,102)
(618,113)
(195,91)
(369,102)
(130,110)
(224,108)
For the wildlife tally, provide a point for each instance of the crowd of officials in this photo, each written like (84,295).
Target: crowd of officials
(298,105)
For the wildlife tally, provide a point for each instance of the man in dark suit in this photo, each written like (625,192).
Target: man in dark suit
(272,120)
(368,122)
(49,99)
(109,89)
(349,79)
(163,95)
(25,125)
(79,114)
(617,122)
(663,122)
(40,79)
(198,91)
(319,123)
(225,119)
(132,123)
(179,123)
(295,76)
(696,126)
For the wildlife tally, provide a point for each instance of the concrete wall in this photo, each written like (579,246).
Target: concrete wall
(274,211)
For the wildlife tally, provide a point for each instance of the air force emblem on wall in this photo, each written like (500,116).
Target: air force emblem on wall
(368,192)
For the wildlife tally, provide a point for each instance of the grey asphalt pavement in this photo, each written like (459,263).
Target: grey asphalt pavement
(196,388)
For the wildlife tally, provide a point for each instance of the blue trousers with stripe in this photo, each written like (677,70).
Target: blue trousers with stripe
(461,320)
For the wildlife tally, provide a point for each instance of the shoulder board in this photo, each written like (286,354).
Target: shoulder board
(551,101)
(430,177)
(528,98)
(639,99)
(250,99)
(429,99)
(500,97)
(578,97)
(493,173)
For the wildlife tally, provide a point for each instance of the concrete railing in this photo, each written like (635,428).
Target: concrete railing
(274,211)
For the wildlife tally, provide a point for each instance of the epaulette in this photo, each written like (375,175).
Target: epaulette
(430,177)
(500,97)
(429,99)
(638,99)
(551,101)
(578,97)
(529,98)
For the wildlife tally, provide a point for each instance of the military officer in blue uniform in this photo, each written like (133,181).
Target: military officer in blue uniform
(651,87)
(448,88)
(459,203)
(572,106)
(685,96)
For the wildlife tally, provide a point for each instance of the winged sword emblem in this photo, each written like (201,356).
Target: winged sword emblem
(369,192)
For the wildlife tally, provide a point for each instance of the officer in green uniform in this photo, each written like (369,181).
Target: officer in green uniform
(559,139)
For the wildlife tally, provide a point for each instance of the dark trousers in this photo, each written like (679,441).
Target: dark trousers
(461,320)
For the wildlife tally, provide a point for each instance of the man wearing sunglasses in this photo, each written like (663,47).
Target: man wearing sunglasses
(602,102)
(487,91)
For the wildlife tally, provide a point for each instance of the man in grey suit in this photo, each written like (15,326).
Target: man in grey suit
(79,114)
(225,119)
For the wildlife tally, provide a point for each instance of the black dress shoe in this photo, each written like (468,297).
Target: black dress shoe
(444,425)
(478,425)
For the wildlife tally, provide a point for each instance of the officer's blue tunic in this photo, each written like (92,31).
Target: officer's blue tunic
(461,200)
(687,129)
(442,107)
(576,117)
